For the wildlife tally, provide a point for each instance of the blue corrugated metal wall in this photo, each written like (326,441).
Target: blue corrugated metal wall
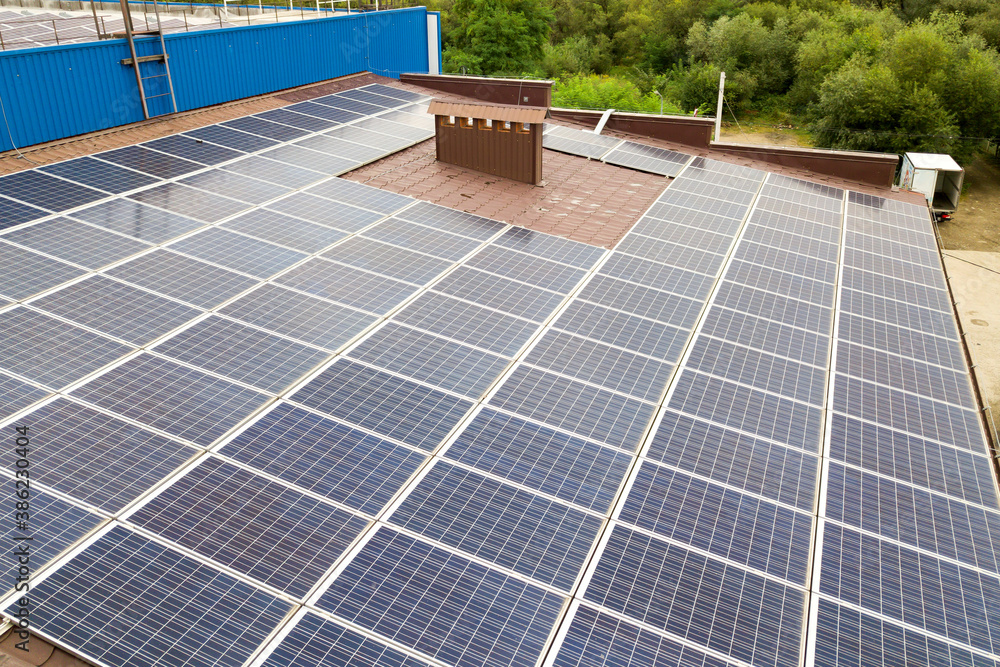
(61,91)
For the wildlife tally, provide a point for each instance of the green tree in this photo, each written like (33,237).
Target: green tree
(496,36)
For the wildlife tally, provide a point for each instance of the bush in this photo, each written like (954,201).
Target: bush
(604,92)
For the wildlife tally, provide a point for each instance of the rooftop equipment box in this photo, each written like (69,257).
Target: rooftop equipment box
(937,177)
(501,140)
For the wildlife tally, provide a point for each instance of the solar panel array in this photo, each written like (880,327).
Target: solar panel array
(620,152)
(294,420)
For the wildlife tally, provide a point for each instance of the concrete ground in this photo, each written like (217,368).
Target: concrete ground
(972,259)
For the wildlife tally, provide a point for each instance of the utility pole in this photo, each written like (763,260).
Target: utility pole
(718,110)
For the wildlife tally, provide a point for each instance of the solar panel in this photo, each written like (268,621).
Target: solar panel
(527,268)
(623,330)
(508,296)
(55,524)
(193,203)
(76,242)
(324,643)
(117,309)
(285,230)
(397,93)
(325,457)
(431,359)
(348,286)
(647,158)
(578,142)
(13,213)
(44,191)
(372,96)
(450,220)
(180,277)
(265,128)
(381,402)
(101,460)
(395,575)
(273,171)
(310,159)
(238,252)
(101,175)
(137,220)
(357,106)
(16,395)
(176,399)
(235,186)
(542,539)
(273,534)
(51,352)
(230,138)
(195,150)
(357,194)
(167,608)
(299,316)
(325,212)
(266,361)
(28,273)
(323,111)
(301,121)
(402,130)
(341,149)
(387,259)
(150,162)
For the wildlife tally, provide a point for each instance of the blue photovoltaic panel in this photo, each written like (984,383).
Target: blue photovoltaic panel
(397,586)
(27,273)
(485,289)
(15,395)
(238,252)
(387,259)
(265,128)
(319,642)
(324,456)
(569,468)
(621,371)
(285,230)
(339,148)
(251,356)
(230,138)
(527,268)
(847,637)
(913,460)
(325,212)
(467,323)
(381,402)
(550,247)
(588,411)
(300,156)
(755,619)
(646,302)
(322,111)
(344,284)
(431,359)
(183,278)
(518,530)
(236,186)
(52,527)
(14,213)
(301,121)
(358,194)
(422,239)
(902,584)
(299,316)
(595,638)
(100,460)
(774,471)
(179,400)
(193,149)
(450,220)
(742,529)
(150,162)
(44,191)
(137,220)
(916,517)
(647,158)
(397,93)
(76,242)
(167,609)
(660,341)
(193,203)
(266,530)
(117,309)
(50,351)
(101,175)
(578,142)
(273,171)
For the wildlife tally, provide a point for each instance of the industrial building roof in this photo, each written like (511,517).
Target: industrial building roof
(297,395)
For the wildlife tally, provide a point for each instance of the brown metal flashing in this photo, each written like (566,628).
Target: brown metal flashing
(503,112)
(878,169)
(495,91)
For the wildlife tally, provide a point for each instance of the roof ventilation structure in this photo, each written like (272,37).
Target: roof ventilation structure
(502,140)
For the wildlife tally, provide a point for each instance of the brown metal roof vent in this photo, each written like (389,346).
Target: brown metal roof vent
(498,139)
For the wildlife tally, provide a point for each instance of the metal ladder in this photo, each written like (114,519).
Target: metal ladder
(137,60)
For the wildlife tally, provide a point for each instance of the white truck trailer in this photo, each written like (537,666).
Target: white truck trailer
(936,176)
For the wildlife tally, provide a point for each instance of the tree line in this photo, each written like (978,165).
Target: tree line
(880,75)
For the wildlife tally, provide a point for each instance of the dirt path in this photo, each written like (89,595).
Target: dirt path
(976,225)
